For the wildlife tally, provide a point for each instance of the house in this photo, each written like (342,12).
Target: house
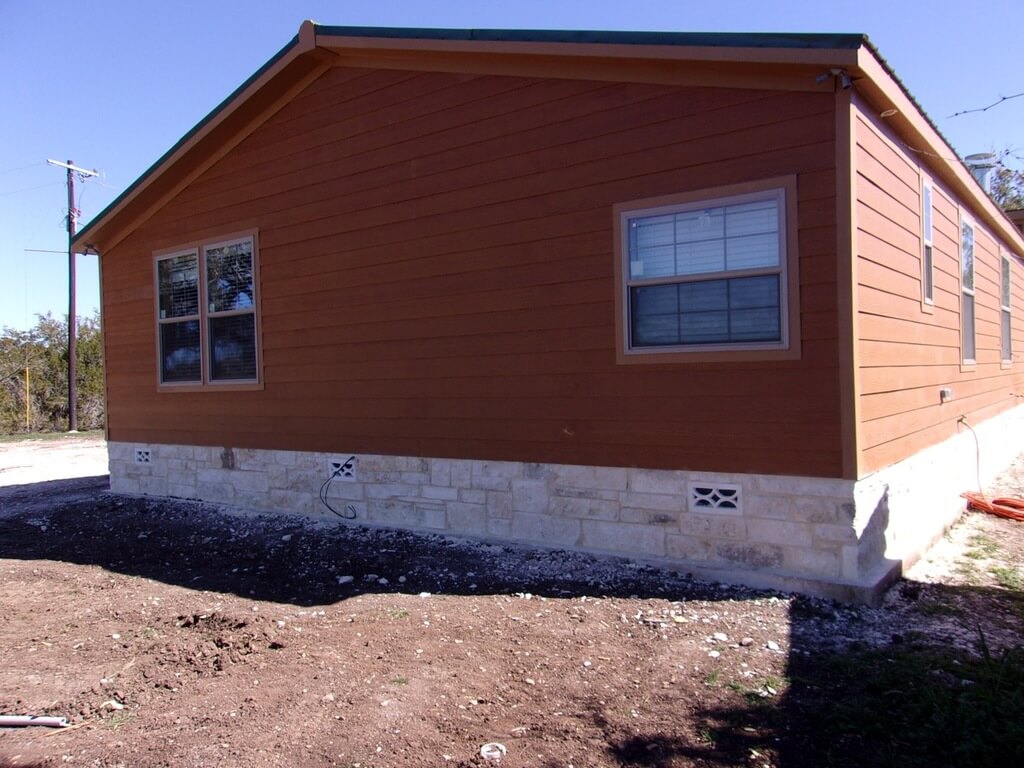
(726,302)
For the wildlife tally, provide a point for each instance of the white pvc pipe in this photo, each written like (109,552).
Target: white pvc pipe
(20,721)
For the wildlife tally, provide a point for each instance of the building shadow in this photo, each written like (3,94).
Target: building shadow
(299,560)
(854,693)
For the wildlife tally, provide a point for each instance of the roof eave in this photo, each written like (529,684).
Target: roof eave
(99,229)
(879,85)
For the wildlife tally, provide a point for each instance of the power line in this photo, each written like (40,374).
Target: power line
(986,109)
(29,189)
(20,168)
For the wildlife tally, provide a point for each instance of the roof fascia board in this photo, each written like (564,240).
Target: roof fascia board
(349,46)
(702,65)
(882,91)
(115,235)
(301,44)
(654,71)
(788,40)
(342,44)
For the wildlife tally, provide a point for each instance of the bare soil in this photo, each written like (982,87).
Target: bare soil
(174,633)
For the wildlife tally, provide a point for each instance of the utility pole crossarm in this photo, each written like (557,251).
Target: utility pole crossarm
(75,168)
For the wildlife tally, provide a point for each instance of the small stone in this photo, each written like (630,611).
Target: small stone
(401,579)
(327,698)
(371,577)
(721,637)
(383,582)
(424,594)
(746,642)
(530,681)
(714,654)
(493,751)
(286,537)
(771,645)
(587,664)
(342,580)
(116,636)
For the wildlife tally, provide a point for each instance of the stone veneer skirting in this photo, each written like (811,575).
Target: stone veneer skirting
(831,537)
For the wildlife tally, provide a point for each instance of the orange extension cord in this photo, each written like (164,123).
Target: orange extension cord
(1012,509)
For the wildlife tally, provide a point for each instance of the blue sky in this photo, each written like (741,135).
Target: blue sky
(112,85)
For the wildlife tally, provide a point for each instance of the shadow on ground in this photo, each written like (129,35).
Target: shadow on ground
(906,701)
(297,560)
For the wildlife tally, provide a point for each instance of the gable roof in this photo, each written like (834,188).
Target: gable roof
(778,60)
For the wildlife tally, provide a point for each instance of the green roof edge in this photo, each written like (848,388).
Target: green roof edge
(706,39)
(82,234)
(709,39)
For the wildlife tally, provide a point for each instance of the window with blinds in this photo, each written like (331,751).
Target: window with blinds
(207,327)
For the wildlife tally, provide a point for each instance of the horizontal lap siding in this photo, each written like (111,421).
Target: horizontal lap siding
(437,276)
(908,351)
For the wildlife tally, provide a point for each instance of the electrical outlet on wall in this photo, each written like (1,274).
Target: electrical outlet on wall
(343,468)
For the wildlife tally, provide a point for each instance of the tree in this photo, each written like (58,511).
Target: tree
(1008,186)
(42,351)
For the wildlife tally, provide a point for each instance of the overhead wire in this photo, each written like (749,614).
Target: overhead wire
(31,189)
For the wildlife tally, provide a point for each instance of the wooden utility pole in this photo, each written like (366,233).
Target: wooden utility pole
(72,169)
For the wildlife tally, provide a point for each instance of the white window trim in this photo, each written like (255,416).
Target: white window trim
(1005,309)
(927,244)
(783,189)
(965,223)
(205,381)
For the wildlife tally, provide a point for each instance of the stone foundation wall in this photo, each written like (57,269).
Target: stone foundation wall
(920,497)
(822,536)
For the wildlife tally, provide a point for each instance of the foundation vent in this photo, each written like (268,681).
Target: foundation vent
(343,469)
(143,456)
(715,497)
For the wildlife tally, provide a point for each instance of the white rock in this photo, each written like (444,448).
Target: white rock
(343,580)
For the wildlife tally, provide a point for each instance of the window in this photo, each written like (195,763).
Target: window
(967,290)
(927,277)
(206,314)
(708,273)
(1005,343)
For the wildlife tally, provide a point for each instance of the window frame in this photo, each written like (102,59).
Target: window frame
(1005,310)
(784,190)
(205,381)
(968,362)
(927,244)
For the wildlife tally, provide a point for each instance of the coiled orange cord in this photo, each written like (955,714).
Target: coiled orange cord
(1010,508)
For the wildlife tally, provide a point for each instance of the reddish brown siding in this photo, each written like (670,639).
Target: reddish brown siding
(907,349)
(437,276)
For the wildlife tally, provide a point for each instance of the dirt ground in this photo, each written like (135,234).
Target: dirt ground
(173,633)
